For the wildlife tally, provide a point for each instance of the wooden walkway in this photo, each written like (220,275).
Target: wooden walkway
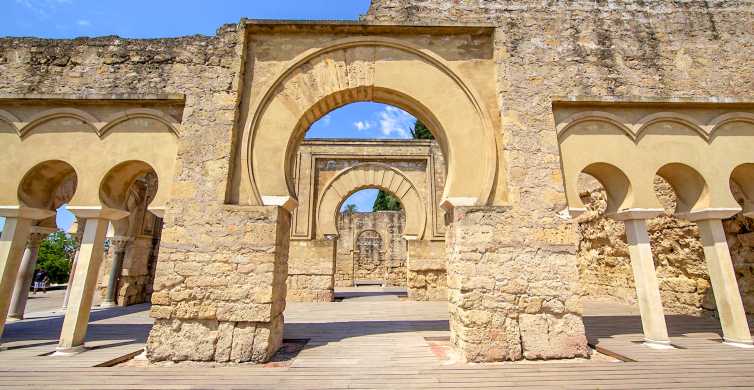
(384,343)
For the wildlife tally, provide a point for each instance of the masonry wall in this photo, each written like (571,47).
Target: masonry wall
(389,225)
(205,245)
(597,48)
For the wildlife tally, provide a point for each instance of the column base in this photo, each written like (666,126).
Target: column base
(738,343)
(12,318)
(655,344)
(3,348)
(62,351)
(107,304)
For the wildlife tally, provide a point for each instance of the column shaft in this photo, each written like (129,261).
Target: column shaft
(79,235)
(12,245)
(647,288)
(82,291)
(724,283)
(112,284)
(67,295)
(23,281)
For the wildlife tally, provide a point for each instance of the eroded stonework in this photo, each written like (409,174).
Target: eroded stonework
(244,98)
(507,303)
(605,268)
(371,249)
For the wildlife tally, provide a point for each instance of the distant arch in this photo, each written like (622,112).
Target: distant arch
(371,175)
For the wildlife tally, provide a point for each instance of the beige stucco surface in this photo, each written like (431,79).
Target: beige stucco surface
(98,137)
(440,84)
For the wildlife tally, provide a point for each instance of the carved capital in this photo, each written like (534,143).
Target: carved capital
(35,240)
(37,235)
(120,243)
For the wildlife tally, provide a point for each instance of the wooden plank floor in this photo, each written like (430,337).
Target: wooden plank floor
(378,343)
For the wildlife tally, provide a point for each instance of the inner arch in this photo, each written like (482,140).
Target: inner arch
(370,175)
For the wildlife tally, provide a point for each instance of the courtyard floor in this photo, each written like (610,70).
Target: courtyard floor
(373,338)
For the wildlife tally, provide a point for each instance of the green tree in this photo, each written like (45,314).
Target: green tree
(350,209)
(55,256)
(386,202)
(420,131)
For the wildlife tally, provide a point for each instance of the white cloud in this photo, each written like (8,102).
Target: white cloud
(395,122)
(43,8)
(83,23)
(363,125)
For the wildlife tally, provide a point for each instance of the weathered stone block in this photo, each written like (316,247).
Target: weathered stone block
(508,301)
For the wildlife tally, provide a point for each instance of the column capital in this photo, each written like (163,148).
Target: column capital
(98,212)
(119,243)
(636,213)
(25,212)
(709,213)
(37,235)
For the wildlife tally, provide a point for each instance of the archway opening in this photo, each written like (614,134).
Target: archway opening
(366,166)
(49,185)
(127,272)
(604,263)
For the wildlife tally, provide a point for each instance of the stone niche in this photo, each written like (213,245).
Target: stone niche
(371,249)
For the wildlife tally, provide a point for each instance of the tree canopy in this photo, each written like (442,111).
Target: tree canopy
(420,131)
(55,256)
(386,202)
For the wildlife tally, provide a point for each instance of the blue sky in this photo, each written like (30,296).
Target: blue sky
(171,18)
(363,120)
(157,18)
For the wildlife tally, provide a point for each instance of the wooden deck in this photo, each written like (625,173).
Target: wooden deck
(382,343)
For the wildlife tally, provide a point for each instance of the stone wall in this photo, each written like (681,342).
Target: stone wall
(427,277)
(389,225)
(311,271)
(508,298)
(204,244)
(225,304)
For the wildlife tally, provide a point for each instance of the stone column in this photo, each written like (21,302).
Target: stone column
(119,244)
(724,284)
(82,291)
(311,270)
(647,287)
(77,238)
(26,272)
(12,244)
